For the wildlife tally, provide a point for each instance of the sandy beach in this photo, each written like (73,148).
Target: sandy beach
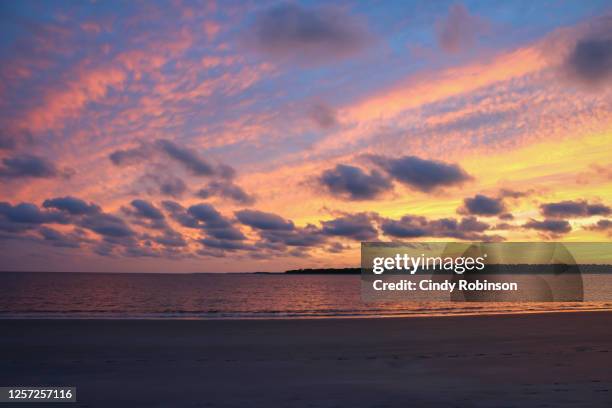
(535,360)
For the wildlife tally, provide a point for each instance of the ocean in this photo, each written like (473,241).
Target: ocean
(225,296)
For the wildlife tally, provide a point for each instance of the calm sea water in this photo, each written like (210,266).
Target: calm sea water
(218,296)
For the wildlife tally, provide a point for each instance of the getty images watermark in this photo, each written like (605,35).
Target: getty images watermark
(485,271)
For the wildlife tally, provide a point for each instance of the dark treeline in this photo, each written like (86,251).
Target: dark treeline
(491,269)
(327,271)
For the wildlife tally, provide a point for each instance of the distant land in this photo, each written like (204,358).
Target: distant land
(326,271)
(524,269)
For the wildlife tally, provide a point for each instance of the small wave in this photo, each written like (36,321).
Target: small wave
(214,314)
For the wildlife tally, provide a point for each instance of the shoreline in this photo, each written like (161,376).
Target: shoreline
(321,317)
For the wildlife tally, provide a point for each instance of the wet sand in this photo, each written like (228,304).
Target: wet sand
(533,360)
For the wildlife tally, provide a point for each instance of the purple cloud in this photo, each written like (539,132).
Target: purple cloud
(27,165)
(228,190)
(353,183)
(263,220)
(413,226)
(307,35)
(548,225)
(459,29)
(421,174)
(580,208)
(590,61)
(72,205)
(359,227)
(482,205)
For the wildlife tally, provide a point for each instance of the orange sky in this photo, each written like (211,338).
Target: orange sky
(224,138)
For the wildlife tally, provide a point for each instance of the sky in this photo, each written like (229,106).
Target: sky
(187,136)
